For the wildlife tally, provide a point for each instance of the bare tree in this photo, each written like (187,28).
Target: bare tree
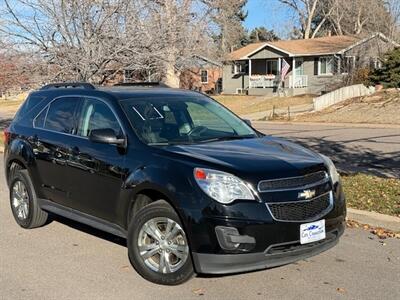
(93,40)
(228,15)
(307,10)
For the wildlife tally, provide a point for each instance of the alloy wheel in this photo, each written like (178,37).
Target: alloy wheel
(162,245)
(20,200)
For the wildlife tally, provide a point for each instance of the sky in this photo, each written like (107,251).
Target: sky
(270,14)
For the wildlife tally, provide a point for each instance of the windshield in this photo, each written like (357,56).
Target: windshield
(181,120)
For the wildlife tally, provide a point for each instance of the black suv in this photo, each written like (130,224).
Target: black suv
(191,186)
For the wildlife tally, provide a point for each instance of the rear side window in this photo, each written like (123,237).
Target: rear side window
(95,114)
(60,115)
(29,104)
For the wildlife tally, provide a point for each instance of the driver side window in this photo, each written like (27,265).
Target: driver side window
(201,116)
(97,115)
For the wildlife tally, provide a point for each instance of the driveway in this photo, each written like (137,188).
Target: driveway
(373,150)
(66,260)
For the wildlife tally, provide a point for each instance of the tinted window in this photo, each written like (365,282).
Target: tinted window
(97,115)
(38,122)
(60,116)
(183,120)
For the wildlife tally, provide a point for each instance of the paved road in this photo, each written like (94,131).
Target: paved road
(65,260)
(372,150)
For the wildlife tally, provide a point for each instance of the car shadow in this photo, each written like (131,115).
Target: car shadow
(88,229)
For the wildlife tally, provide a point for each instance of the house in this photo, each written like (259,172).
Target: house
(202,74)
(314,64)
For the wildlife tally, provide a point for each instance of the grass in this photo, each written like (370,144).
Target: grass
(242,105)
(373,193)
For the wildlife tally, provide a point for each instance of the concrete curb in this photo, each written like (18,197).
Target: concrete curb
(361,125)
(374,219)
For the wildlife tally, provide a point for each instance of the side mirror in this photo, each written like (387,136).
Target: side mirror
(106,136)
(247,121)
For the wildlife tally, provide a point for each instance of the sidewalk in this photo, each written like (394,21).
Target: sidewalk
(348,125)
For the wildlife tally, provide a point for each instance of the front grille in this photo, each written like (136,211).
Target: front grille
(293,182)
(300,211)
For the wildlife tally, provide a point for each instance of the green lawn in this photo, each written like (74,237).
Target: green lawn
(373,193)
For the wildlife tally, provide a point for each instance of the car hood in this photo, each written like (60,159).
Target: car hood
(266,157)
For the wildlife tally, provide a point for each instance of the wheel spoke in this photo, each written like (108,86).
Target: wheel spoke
(151,229)
(162,263)
(179,251)
(171,235)
(170,225)
(148,247)
(149,253)
(167,263)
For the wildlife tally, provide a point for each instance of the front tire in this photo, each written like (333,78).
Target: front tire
(24,205)
(157,245)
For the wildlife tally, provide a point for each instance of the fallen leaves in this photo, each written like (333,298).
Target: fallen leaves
(341,290)
(378,231)
(198,292)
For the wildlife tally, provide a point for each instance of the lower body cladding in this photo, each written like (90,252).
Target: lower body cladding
(274,255)
(240,245)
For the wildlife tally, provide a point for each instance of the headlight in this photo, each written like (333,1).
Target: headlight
(223,187)
(333,173)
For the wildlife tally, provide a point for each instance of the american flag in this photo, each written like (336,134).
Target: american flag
(285,69)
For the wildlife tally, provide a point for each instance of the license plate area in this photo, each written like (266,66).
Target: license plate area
(312,232)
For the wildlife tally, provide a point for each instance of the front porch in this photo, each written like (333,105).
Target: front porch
(265,76)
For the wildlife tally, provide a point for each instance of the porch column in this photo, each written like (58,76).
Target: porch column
(279,72)
(249,73)
(293,73)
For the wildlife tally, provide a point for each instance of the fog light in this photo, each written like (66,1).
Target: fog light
(230,239)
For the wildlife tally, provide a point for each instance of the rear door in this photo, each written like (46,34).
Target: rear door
(56,126)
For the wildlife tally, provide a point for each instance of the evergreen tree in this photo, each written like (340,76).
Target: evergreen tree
(389,74)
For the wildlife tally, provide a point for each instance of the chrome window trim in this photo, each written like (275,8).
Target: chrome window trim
(326,179)
(82,98)
(315,218)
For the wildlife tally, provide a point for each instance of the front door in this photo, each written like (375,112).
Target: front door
(97,169)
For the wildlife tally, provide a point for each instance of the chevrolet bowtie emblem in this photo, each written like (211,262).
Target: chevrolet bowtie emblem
(306,194)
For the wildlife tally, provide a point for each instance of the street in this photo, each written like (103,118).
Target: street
(375,150)
(66,260)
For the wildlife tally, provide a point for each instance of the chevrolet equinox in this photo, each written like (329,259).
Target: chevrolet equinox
(192,187)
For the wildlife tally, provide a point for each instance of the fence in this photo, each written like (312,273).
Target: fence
(341,94)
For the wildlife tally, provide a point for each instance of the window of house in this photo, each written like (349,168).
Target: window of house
(240,67)
(299,66)
(325,65)
(61,115)
(204,76)
(272,67)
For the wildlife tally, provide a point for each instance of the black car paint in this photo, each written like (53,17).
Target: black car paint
(102,180)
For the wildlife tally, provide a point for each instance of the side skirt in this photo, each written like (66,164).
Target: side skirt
(80,217)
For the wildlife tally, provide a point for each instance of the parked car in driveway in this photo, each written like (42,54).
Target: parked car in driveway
(191,186)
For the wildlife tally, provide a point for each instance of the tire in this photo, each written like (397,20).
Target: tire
(30,214)
(175,270)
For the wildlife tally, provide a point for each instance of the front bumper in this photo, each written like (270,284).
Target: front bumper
(274,255)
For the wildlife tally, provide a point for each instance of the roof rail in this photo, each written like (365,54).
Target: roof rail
(141,84)
(83,85)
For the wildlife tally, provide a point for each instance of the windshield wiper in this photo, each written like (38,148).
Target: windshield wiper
(227,138)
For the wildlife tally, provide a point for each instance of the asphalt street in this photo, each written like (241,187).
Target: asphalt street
(374,150)
(66,260)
